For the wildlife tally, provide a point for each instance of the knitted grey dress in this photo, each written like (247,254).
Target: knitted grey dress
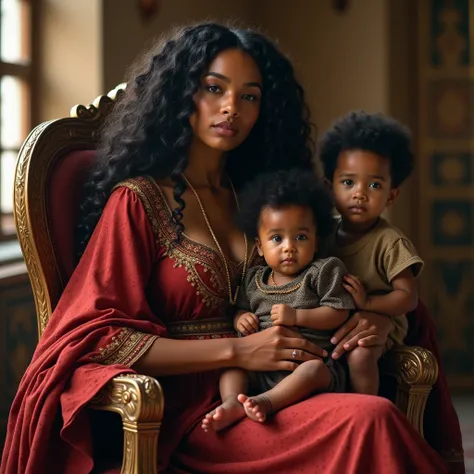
(319,285)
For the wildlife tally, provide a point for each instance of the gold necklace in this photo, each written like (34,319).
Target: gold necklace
(232,299)
(273,279)
(276,292)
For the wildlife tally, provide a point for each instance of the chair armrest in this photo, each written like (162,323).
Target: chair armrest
(416,371)
(139,400)
(412,365)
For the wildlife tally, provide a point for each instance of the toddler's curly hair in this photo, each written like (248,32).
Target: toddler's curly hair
(376,133)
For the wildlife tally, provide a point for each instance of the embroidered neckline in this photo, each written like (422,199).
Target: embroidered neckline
(187,253)
(195,242)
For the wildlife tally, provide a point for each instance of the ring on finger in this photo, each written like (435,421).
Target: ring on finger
(293,354)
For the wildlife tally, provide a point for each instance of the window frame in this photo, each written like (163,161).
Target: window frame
(29,73)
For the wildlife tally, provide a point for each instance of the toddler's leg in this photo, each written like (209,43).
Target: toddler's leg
(364,369)
(310,377)
(232,383)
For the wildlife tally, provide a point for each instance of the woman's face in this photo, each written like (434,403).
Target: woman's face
(228,101)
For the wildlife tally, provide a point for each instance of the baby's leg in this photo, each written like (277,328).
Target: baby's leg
(309,377)
(232,382)
(364,369)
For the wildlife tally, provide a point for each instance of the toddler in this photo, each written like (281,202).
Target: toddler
(366,157)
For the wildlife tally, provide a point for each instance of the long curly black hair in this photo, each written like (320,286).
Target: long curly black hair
(149,132)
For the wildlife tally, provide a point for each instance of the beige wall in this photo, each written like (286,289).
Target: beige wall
(71,55)
(126,34)
(359,59)
(340,58)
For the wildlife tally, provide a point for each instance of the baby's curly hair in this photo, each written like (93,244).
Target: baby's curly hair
(376,133)
(279,189)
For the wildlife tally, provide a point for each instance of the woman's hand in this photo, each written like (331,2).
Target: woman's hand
(362,329)
(275,348)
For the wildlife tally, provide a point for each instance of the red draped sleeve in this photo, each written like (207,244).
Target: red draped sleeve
(100,327)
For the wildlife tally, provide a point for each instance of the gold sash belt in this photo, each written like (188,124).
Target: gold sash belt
(200,327)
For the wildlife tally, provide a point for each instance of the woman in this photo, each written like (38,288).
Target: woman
(213,108)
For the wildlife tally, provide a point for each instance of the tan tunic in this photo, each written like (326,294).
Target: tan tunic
(376,259)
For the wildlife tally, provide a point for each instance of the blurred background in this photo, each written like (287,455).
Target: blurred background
(413,59)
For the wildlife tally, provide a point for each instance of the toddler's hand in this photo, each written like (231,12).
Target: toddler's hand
(247,323)
(283,315)
(353,285)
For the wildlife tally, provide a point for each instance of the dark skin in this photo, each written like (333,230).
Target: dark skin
(235,98)
(230,90)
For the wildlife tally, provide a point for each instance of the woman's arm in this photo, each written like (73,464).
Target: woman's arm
(271,349)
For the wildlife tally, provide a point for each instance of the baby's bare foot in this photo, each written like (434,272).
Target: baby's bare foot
(257,408)
(224,415)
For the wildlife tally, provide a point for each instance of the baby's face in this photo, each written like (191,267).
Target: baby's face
(362,186)
(287,238)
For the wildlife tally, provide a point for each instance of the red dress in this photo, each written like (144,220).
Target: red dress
(134,285)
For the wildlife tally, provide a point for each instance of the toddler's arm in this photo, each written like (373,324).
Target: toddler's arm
(401,300)
(322,318)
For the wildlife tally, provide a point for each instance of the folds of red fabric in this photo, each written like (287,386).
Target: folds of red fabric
(441,423)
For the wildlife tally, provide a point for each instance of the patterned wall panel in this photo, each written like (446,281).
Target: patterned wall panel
(446,173)
(19,336)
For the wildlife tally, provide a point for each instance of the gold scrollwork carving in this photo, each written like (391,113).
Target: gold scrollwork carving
(416,371)
(48,143)
(139,401)
(413,365)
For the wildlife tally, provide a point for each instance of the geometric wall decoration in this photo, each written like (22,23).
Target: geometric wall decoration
(452,169)
(445,100)
(449,44)
(452,305)
(449,105)
(452,222)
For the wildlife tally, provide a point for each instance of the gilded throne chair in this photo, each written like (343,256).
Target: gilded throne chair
(51,170)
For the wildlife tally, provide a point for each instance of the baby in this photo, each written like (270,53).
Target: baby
(366,157)
(286,213)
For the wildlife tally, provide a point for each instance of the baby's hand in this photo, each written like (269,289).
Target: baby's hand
(283,315)
(246,323)
(353,285)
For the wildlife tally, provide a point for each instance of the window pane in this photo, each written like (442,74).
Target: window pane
(15,31)
(8,162)
(14,111)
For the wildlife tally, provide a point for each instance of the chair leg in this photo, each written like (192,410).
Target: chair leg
(412,402)
(139,401)
(140,448)
(416,371)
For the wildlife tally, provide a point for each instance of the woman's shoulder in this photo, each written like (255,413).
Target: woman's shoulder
(144,188)
(143,191)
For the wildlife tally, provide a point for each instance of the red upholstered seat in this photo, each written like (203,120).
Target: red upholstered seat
(64,194)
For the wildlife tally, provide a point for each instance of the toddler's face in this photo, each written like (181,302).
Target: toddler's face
(287,238)
(362,186)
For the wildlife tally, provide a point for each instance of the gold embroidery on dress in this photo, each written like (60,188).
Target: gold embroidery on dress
(125,348)
(186,253)
(201,327)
